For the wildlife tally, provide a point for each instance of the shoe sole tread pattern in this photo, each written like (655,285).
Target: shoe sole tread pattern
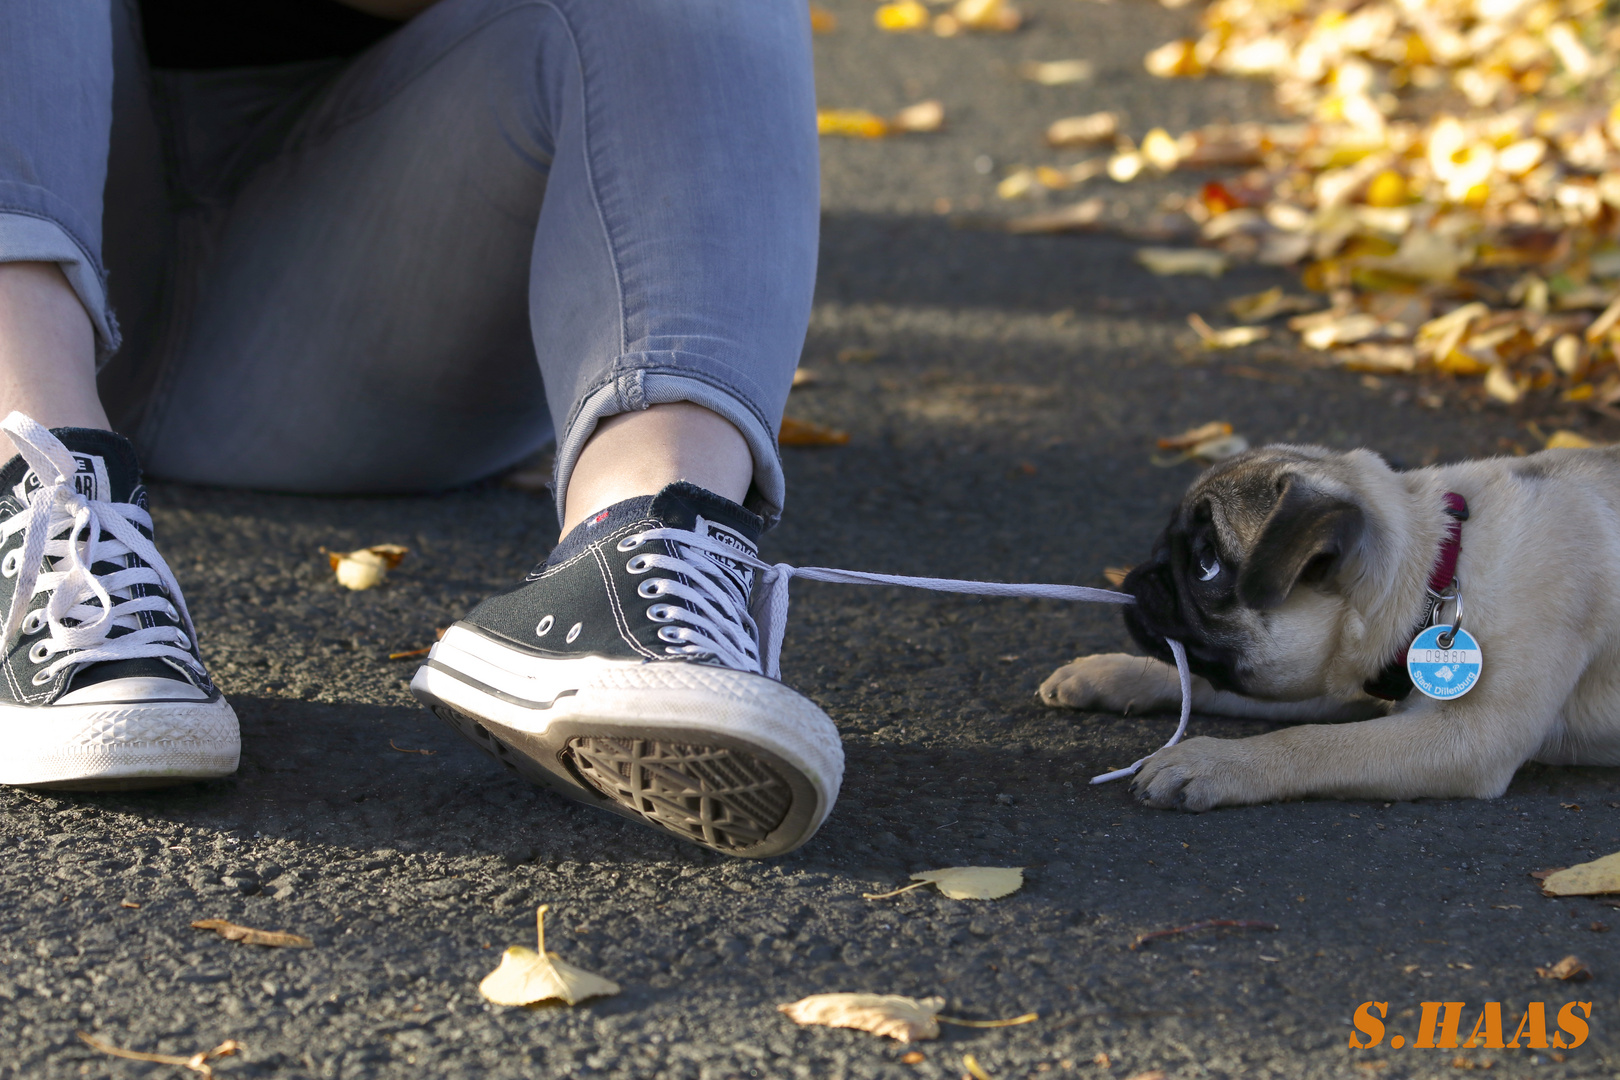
(120,746)
(730,760)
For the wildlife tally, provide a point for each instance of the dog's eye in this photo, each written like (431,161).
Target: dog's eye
(1210,567)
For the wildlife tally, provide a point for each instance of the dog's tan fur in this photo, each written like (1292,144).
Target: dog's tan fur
(1540,573)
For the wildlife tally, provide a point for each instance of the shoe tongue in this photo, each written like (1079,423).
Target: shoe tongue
(107,467)
(687,506)
(678,506)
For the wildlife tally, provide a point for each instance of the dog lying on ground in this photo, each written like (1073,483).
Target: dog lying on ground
(1298,578)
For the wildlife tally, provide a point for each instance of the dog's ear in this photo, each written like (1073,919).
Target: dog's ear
(1308,533)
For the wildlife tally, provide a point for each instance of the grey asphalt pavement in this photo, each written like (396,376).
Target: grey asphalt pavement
(1002,394)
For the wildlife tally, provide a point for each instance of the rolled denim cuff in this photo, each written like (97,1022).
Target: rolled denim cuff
(639,389)
(35,237)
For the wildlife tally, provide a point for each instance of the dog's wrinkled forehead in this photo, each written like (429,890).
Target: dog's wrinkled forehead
(1237,496)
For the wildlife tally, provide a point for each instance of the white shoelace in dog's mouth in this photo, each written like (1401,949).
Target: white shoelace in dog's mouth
(77,533)
(716,619)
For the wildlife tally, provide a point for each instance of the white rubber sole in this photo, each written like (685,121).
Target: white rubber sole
(111,746)
(727,759)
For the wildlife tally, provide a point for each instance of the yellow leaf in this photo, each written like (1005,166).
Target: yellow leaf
(1215,429)
(902,1018)
(1160,150)
(1262,306)
(526,976)
(1082,130)
(1586,879)
(975,882)
(1500,384)
(1230,338)
(901,16)
(1565,439)
(797,432)
(1167,262)
(247,936)
(1174,59)
(367,567)
(822,21)
(1388,188)
(855,123)
(1056,72)
(995,16)
(923,116)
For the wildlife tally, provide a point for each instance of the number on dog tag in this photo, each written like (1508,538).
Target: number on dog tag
(1444,674)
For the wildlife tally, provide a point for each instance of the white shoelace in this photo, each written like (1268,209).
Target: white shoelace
(76,533)
(721,622)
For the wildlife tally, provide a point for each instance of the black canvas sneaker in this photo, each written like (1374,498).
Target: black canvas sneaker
(626,673)
(104,688)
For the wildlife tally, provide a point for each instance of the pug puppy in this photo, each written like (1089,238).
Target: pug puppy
(1298,577)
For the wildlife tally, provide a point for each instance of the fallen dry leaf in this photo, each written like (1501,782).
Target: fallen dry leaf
(1584,879)
(993,16)
(965,882)
(197,1063)
(851,123)
(1115,575)
(822,21)
(1564,439)
(808,433)
(902,1018)
(1264,306)
(1168,262)
(805,377)
(1232,337)
(248,936)
(900,17)
(913,1057)
(1215,429)
(1080,215)
(1057,72)
(367,567)
(527,976)
(1569,969)
(921,117)
(974,1069)
(1098,127)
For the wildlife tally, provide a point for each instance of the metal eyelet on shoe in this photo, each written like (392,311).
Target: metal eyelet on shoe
(34,621)
(8,565)
(573,632)
(545,626)
(41,652)
(631,542)
(650,588)
(639,565)
(670,633)
(41,678)
(661,613)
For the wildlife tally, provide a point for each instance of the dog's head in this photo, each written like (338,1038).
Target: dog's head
(1248,575)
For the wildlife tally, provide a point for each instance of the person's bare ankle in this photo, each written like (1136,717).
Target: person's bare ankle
(47,351)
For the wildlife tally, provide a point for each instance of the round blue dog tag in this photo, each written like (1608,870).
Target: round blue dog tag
(1440,673)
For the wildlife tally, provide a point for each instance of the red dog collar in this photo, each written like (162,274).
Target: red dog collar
(1393,683)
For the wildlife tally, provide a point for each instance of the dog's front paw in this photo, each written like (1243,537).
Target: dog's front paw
(1199,774)
(1113,682)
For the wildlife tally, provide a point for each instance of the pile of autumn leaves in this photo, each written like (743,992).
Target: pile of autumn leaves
(1453,184)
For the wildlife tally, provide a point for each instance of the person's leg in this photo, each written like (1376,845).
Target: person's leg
(47,350)
(674,263)
(103,684)
(380,275)
(638,453)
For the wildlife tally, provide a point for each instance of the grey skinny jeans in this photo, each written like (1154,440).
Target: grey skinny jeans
(339,276)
